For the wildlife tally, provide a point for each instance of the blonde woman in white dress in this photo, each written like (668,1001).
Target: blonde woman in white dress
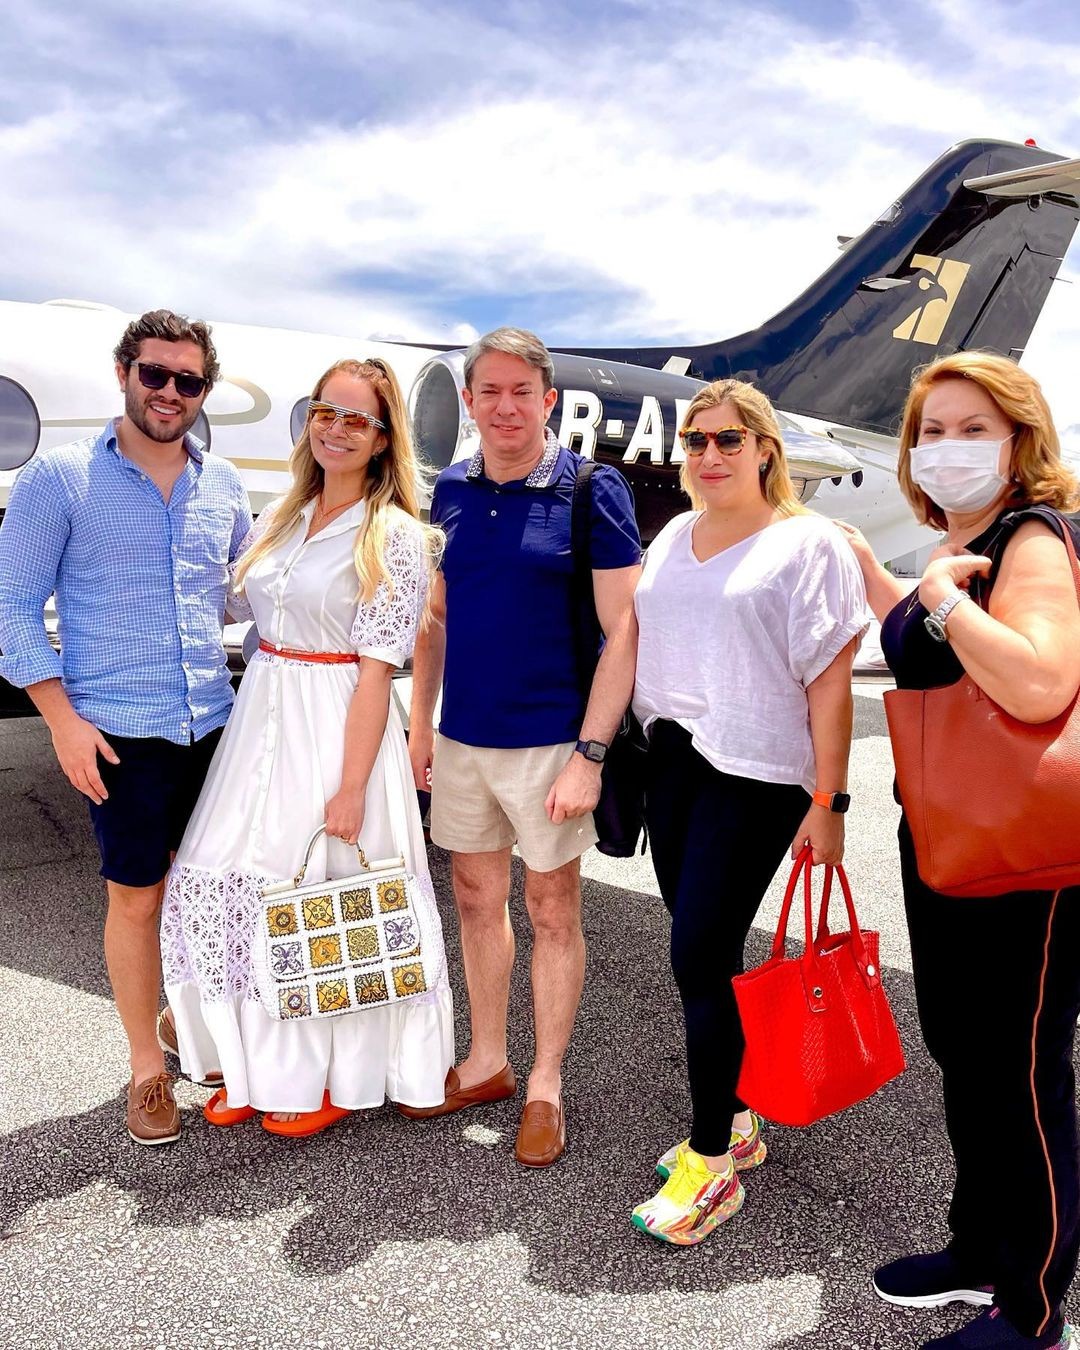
(338,569)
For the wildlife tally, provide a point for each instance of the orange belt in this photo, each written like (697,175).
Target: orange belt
(316,658)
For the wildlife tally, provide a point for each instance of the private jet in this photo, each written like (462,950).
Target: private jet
(965,257)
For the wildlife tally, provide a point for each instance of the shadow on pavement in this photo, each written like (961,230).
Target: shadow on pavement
(832,1202)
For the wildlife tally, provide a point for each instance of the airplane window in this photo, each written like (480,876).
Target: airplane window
(201,429)
(20,425)
(297,418)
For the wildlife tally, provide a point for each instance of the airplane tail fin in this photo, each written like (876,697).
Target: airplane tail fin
(964,258)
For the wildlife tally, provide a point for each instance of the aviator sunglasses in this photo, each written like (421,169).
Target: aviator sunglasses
(152,376)
(354,423)
(728,440)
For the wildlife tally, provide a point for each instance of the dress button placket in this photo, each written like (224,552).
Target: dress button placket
(275,675)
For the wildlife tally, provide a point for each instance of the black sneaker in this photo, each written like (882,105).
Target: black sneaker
(929,1282)
(991,1331)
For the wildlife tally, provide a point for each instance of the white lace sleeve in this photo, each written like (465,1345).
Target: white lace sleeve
(385,628)
(237,602)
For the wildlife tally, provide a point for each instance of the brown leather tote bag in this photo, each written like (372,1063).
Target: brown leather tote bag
(993,803)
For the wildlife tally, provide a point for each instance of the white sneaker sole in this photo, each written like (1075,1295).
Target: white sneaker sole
(978,1298)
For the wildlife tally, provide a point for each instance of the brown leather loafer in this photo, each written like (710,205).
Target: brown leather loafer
(542,1135)
(166,1038)
(494,1089)
(152,1115)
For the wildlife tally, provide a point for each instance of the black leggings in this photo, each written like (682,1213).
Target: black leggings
(716,841)
(998,987)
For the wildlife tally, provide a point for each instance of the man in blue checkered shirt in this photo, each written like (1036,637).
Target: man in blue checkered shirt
(133,531)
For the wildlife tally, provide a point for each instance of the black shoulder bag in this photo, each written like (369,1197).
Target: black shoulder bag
(620,813)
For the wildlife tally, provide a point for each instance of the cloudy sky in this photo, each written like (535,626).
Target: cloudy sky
(611,172)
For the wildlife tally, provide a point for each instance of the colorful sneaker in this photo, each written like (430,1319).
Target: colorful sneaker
(930,1282)
(992,1331)
(691,1203)
(745,1150)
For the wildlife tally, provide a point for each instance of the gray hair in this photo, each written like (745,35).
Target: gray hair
(514,342)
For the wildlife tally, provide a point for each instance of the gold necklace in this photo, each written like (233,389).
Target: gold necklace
(322,514)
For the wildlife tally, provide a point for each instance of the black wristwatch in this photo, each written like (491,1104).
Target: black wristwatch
(594,751)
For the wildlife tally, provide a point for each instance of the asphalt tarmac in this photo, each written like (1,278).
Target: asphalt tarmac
(388,1233)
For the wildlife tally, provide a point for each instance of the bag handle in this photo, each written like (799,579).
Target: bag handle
(779,938)
(299,878)
(813,986)
(823,933)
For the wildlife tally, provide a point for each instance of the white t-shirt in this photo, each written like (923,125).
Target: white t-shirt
(728,646)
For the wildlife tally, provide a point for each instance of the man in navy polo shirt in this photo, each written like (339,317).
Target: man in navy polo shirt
(519,754)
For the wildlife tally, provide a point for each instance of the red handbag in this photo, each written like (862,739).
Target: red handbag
(819,1031)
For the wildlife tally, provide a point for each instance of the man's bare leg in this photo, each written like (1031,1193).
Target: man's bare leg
(133,956)
(481,892)
(553,900)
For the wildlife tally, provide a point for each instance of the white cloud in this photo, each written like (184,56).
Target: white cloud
(653,175)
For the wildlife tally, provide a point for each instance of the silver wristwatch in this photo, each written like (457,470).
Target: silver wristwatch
(935,622)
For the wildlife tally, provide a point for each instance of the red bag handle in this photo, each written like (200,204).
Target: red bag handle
(778,949)
(812,955)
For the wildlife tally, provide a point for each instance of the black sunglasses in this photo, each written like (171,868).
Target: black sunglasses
(153,376)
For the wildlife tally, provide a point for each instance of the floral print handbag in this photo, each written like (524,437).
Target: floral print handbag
(332,947)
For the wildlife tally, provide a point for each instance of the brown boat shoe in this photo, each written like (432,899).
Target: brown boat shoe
(542,1135)
(152,1114)
(166,1038)
(494,1089)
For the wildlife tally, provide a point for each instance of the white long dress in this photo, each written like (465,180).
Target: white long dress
(278,764)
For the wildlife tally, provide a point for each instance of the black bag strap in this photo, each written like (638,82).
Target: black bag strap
(587,631)
(1009,523)
(580,513)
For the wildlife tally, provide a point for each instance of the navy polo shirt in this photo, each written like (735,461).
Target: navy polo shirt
(510,678)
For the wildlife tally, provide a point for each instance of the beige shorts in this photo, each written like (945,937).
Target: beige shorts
(483,800)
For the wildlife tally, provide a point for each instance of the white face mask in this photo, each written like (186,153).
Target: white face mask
(960,476)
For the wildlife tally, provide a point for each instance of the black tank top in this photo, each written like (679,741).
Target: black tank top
(913,656)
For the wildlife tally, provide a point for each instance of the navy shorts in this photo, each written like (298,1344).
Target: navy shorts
(152,793)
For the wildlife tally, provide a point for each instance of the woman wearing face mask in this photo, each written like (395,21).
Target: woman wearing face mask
(997,979)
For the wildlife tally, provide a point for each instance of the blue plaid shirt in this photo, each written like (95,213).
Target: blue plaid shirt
(140,586)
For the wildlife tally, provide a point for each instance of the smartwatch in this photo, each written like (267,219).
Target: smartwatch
(935,623)
(594,751)
(835,801)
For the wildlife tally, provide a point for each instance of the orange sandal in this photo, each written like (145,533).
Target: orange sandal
(232,1115)
(307,1122)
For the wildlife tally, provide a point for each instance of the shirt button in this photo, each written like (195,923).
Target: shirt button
(494,513)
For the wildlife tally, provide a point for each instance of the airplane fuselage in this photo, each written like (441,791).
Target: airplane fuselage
(59,355)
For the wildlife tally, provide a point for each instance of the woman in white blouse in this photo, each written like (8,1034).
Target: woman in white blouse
(749,608)
(336,577)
